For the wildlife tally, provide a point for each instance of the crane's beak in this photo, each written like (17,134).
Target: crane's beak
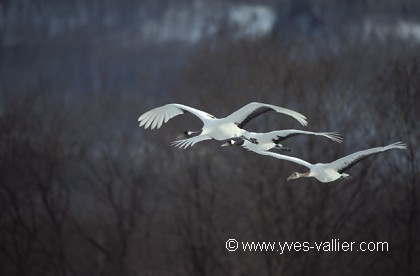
(225,144)
(289,178)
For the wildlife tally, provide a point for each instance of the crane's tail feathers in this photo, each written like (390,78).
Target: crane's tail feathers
(397,145)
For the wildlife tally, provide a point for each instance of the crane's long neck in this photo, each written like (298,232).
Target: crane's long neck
(305,174)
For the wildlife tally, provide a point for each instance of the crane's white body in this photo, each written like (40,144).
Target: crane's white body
(219,129)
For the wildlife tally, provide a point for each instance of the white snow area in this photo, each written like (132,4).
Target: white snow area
(200,20)
(404,30)
(252,21)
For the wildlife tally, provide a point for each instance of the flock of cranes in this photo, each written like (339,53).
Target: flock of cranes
(230,129)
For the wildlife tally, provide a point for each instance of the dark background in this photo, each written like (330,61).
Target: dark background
(85,191)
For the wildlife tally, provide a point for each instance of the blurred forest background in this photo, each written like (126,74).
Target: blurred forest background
(85,191)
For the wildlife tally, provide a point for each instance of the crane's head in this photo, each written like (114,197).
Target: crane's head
(234,142)
(294,175)
(187,134)
(297,175)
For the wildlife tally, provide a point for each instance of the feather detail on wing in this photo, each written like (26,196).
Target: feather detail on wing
(285,134)
(350,160)
(281,156)
(280,135)
(334,136)
(185,143)
(162,114)
(245,114)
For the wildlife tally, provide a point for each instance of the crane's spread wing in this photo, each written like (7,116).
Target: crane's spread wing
(159,115)
(185,143)
(281,135)
(245,114)
(280,156)
(350,160)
